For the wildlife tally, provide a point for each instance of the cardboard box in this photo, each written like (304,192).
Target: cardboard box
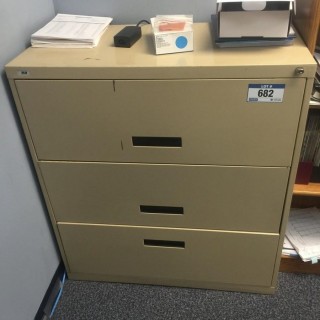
(168,40)
(254,18)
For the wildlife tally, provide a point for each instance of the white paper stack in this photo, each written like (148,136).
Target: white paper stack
(303,232)
(71,31)
(288,249)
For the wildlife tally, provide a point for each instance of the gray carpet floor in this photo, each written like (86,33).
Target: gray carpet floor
(297,298)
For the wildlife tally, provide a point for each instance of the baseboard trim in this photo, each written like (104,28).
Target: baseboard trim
(48,300)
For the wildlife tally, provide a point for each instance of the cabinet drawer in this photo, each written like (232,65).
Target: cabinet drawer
(191,196)
(168,121)
(165,255)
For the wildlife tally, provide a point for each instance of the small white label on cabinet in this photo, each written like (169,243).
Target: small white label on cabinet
(24,73)
(265,93)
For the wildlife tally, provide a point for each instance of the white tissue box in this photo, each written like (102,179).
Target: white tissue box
(170,41)
(258,18)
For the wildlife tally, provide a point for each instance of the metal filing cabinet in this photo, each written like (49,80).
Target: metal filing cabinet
(164,169)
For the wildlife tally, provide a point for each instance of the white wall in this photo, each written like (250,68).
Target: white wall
(28,256)
(131,11)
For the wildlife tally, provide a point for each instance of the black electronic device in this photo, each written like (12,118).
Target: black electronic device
(127,36)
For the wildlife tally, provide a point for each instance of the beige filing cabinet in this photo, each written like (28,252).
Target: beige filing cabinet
(166,169)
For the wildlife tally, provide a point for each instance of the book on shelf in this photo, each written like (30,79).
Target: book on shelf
(310,150)
(317,58)
(315,97)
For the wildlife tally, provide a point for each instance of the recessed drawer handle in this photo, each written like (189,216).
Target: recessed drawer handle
(161,210)
(164,243)
(166,142)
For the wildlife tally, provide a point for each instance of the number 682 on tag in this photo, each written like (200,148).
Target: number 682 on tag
(272,93)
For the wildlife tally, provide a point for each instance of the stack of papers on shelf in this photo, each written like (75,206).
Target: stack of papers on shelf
(71,31)
(288,249)
(303,232)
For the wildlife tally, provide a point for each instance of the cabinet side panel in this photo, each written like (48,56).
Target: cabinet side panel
(293,171)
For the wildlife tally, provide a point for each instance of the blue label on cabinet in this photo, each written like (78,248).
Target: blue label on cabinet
(266,93)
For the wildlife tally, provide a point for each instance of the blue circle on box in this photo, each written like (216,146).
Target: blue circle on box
(181,42)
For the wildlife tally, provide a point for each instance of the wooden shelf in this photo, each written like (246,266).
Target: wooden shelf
(295,264)
(311,189)
(307,20)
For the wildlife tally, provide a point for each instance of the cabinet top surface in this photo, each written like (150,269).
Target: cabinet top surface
(140,61)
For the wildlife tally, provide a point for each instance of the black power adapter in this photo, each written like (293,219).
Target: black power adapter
(127,36)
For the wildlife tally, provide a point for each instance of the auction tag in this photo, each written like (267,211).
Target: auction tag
(265,93)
